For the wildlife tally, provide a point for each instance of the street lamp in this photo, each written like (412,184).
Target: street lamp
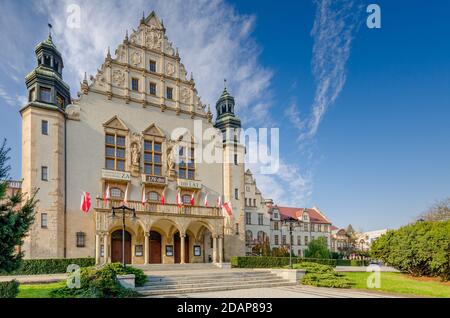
(291,223)
(125,211)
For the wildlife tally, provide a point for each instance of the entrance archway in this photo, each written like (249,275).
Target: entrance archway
(155,248)
(177,248)
(116,247)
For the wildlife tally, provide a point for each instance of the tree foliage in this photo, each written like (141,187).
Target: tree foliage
(318,248)
(16,217)
(440,211)
(420,249)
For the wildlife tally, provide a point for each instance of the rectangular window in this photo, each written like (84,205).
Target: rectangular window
(44,173)
(276,239)
(276,226)
(152,66)
(186,167)
(44,221)
(248,218)
(236,194)
(115,152)
(32,95)
(169,93)
(237,228)
(306,240)
(81,239)
(299,240)
(153,89)
(44,127)
(135,84)
(235,160)
(260,219)
(152,158)
(45,95)
(284,240)
(254,202)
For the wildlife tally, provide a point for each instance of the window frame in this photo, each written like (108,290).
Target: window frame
(44,220)
(152,164)
(135,81)
(80,239)
(116,148)
(46,89)
(169,96)
(44,123)
(152,84)
(186,162)
(44,168)
(152,66)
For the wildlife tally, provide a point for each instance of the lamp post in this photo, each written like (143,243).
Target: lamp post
(291,223)
(125,210)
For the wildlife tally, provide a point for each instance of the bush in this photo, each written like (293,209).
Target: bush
(318,249)
(9,289)
(101,283)
(420,249)
(275,262)
(322,276)
(49,266)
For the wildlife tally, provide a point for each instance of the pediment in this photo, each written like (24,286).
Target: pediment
(116,123)
(153,130)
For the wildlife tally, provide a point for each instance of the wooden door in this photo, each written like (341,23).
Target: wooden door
(155,248)
(116,247)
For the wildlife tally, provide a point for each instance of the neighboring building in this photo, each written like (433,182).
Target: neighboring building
(12,188)
(312,224)
(119,135)
(257,217)
(364,240)
(341,240)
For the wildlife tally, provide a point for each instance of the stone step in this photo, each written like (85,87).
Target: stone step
(175,267)
(200,289)
(208,283)
(216,276)
(168,281)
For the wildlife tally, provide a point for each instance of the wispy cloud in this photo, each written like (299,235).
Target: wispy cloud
(14,101)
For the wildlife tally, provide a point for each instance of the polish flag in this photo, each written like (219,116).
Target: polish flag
(228,209)
(85,202)
(219,202)
(144,197)
(205,202)
(192,200)
(106,197)
(163,198)
(179,201)
(125,198)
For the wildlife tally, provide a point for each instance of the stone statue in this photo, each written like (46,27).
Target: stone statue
(171,157)
(135,155)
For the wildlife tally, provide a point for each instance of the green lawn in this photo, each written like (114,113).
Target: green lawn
(37,290)
(403,284)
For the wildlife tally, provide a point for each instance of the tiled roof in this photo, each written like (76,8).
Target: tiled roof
(296,213)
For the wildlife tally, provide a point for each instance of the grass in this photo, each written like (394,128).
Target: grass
(37,290)
(403,284)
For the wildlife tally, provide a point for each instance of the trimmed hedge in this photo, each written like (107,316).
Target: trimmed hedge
(49,266)
(322,276)
(9,289)
(270,262)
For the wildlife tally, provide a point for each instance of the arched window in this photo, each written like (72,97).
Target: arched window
(153,196)
(116,193)
(261,237)
(248,236)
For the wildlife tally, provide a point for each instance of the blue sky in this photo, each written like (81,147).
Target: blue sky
(381,151)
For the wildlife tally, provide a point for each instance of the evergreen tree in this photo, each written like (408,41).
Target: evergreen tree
(318,248)
(16,217)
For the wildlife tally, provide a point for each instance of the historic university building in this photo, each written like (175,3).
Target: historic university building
(135,136)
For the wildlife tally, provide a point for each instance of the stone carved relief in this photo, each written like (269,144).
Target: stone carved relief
(153,39)
(134,38)
(168,47)
(73,112)
(121,54)
(185,96)
(136,58)
(170,69)
(119,78)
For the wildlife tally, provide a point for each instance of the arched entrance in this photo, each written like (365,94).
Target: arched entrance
(177,248)
(155,248)
(116,247)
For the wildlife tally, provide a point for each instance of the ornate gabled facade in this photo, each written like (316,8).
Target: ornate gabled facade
(132,136)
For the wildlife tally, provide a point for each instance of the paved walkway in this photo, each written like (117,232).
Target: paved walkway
(285,292)
(364,269)
(35,279)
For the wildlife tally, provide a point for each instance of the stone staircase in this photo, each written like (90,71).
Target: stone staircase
(191,281)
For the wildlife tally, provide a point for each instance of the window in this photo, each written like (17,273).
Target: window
(275,215)
(254,202)
(153,196)
(235,160)
(60,100)
(169,93)
(135,84)
(248,218)
(299,240)
(115,152)
(44,173)
(284,240)
(276,239)
(152,66)
(276,226)
(306,240)
(248,236)
(186,167)
(81,239)
(32,95)
(44,127)
(152,158)
(44,221)
(186,199)
(236,194)
(261,237)
(260,219)
(237,228)
(116,193)
(45,95)
(152,89)
(299,254)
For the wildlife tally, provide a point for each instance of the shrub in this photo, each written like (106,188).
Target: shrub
(101,283)
(9,289)
(420,249)
(322,276)
(49,266)
(318,249)
(274,262)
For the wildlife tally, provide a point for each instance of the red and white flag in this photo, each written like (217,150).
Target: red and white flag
(163,198)
(85,202)
(205,202)
(125,198)
(219,202)
(144,197)
(179,201)
(192,199)
(106,197)
(228,209)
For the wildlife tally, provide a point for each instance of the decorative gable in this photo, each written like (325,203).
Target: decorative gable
(115,123)
(153,131)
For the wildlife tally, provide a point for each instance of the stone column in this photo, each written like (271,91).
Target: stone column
(182,247)
(214,249)
(220,249)
(106,248)
(147,248)
(97,249)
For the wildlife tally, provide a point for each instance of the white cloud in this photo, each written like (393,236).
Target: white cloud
(15,101)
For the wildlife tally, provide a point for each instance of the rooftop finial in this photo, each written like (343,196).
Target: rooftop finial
(225,83)
(108,55)
(50,27)
(143,17)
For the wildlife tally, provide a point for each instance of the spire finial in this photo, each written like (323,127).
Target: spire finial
(225,83)
(50,27)
(108,56)
(143,17)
